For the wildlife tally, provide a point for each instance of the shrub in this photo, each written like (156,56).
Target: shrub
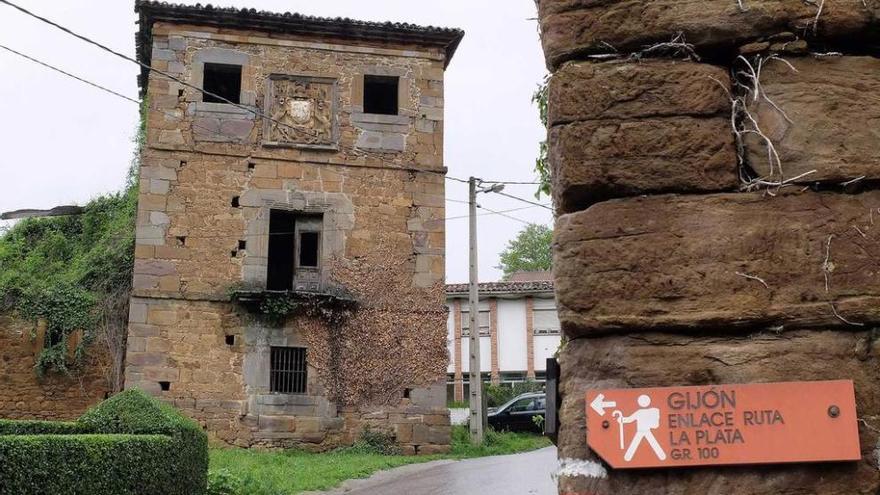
(129,445)
(8,427)
(373,441)
(223,482)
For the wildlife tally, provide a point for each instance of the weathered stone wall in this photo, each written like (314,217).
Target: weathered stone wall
(210,175)
(25,395)
(688,250)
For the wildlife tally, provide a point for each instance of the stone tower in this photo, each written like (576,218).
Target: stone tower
(715,169)
(288,285)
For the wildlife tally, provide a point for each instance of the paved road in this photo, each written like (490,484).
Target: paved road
(520,474)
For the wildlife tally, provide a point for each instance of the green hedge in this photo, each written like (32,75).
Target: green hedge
(129,445)
(8,427)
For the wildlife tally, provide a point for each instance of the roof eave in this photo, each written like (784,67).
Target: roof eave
(503,293)
(152,12)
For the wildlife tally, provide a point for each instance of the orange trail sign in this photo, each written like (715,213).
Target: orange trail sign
(758,423)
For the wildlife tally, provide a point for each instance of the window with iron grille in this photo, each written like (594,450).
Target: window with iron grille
(287,370)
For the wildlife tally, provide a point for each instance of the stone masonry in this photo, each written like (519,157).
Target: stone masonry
(212,173)
(715,172)
(55,396)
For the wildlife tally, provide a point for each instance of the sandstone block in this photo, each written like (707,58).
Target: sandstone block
(403,433)
(308,425)
(155,268)
(834,107)
(681,262)
(278,424)
(626,90)
(573,28)
(655,359)
(596,160)
(171,138)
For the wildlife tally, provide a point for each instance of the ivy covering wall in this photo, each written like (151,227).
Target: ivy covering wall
(74,273)
(70,272)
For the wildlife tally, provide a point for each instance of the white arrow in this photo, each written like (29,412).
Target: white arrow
(599,404)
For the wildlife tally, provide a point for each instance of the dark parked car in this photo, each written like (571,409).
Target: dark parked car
(518,414)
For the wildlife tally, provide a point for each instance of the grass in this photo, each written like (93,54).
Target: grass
(293,471)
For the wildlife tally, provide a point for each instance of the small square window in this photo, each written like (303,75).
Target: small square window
(221,80)
(380,94)
(308,249)
(287,370)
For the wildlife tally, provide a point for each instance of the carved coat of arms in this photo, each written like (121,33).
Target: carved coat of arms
(303,111)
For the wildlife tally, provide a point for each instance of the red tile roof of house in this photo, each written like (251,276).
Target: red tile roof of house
(509,287)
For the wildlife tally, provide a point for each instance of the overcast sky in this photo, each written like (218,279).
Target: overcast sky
(64,142)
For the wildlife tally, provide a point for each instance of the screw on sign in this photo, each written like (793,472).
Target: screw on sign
(724,424)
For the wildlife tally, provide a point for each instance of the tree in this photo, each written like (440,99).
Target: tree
(529,251)
(542,163)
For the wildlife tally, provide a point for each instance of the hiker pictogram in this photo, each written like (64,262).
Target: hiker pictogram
(647,419)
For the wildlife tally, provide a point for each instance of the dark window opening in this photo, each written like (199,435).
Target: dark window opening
(230,340)
(287,370)
(181,240)
(165,386)
(54,337)
(236,201)
(294,259)
(380,94)
(406,392)
(222,80)
(282,239)
(252,165)
(180,93)
(182,163)
(233,254)
(242,245)
(308,249)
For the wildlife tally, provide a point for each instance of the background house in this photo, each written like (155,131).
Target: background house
(519,330)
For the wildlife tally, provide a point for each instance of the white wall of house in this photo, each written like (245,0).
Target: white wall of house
(511,330)
(512,334)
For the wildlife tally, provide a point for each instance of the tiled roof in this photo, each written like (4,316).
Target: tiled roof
(503,287)
(290,23)
(531,276)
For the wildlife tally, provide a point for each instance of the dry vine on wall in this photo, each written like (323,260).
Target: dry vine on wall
(395,339)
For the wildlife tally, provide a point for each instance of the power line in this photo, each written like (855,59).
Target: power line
(102,88)
(143,65)
(68,74)
(500,213)
(511,196)
(184,83)
(486,181)
(493,212)
(512,183)
(245,236)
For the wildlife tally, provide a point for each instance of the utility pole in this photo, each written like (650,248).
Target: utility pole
(478,414)
(474,373)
